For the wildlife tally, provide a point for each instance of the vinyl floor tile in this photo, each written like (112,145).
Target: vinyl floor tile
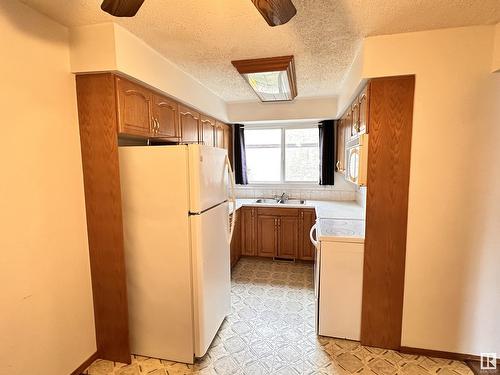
(271,330)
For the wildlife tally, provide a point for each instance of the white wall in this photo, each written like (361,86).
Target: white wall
(452,282)
(110,47)
(299,109)
(46,313)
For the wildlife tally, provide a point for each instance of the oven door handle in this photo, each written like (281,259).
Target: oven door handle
(313,240)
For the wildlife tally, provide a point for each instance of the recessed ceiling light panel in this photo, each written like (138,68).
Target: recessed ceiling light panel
(273,79)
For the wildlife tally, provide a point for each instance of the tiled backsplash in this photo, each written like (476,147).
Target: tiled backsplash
(341,191)
(316,193)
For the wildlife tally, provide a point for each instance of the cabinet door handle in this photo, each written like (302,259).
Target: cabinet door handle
(338,165)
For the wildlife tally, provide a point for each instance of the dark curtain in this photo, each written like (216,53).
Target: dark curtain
(327,152)
(240,160)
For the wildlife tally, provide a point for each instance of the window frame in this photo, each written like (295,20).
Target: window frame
(283,128)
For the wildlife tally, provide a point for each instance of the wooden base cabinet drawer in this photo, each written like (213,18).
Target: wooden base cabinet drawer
(273,211)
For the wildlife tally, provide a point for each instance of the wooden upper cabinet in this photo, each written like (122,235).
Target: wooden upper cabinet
(208,131)
(267,235)
(363,100)
(348,123)
(134,108)
(220,133)
(145,113)
(227,137)
(165,113)
(190,124)
(306,248)
(248,231)
(288,228)
(355,119)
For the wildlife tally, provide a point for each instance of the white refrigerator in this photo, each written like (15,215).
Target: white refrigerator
(177,234)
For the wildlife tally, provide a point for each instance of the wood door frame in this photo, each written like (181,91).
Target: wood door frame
(391,120)
(98,121)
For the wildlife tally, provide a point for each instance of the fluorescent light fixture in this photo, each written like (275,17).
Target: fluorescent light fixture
(272,79)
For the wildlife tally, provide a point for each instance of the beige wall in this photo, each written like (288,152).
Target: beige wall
(352,83)
(46,314)
(110,47)
(495,65)
(452,282)
(299,109)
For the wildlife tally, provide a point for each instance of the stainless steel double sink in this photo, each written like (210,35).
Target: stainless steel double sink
(279,201)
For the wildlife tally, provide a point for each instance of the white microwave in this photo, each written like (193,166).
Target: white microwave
(357,160)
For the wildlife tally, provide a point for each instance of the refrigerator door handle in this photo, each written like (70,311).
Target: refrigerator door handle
(232,199)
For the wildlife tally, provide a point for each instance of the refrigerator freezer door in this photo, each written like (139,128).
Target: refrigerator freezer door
(211,274)
(208,177)
(155,203)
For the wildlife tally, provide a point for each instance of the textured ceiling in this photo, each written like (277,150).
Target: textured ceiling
(203,36)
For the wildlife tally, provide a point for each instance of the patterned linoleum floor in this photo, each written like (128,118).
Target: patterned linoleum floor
(271,331)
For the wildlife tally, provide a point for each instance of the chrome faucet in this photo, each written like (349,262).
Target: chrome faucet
(283,198)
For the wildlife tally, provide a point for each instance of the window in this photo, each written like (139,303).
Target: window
(282,155)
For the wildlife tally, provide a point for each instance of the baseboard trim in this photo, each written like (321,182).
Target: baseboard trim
(439,354)
(85,364)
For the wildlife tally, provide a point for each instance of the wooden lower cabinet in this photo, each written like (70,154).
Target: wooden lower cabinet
(288,244)
(248,231)
(306,248)
(236,240)
(267,235)
(275,232)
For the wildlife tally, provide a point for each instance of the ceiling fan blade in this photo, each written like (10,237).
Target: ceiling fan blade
(121,8)
(276,12)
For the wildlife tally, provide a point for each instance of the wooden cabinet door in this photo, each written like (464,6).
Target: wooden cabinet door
(190,124)
(228,142)
(288,228)
(219,134)
(307,220)
(267,235)
(165,117)
(363,109)
(134,108)
(236,240)
(248,231)
(227,137)
(208,131)
(355,119)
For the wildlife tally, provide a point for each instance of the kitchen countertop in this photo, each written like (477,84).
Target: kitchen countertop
(341,230)
(337,220)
